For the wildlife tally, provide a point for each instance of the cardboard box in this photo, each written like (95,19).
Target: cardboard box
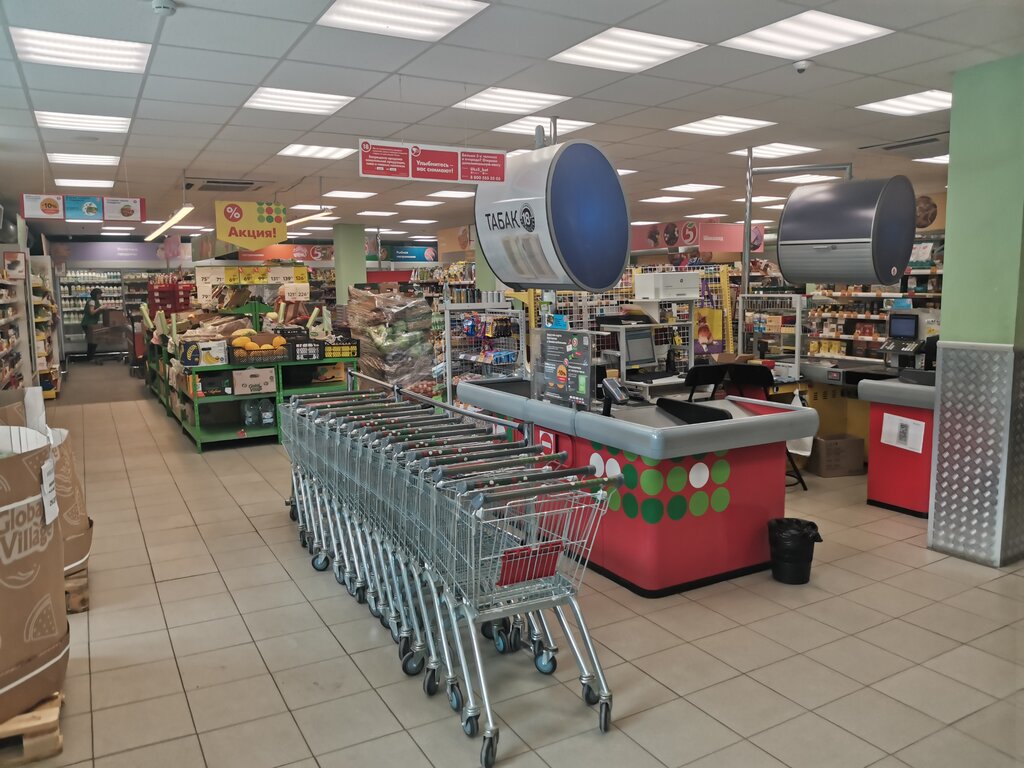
(723,358)
(837,456)
(254,381)
(195,354)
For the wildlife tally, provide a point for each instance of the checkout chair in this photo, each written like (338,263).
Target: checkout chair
(756,381)
(704,376)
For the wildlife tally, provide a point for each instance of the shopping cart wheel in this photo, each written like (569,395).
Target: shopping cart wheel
(404,646)
(489,751)
(360,595)
(487,630)
(604,716)
(501,643)
(293,513)
(395,629)
(412,663)
(311,544)
(515,638)
(546,663)
(455,697)
(471,726)
(302,539)
(590,695)
(339,576)
(371,604)
(430,681)
(321,562)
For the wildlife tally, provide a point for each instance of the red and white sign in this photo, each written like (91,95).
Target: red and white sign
(708,236)
(728,238)
(421,162)
(42,207)
(124,209)
(548,442)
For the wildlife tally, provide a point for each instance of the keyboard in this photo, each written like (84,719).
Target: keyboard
(651,376)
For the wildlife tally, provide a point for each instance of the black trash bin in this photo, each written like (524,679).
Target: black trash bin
(792,547)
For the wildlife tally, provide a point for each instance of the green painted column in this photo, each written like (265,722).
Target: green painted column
(349,258)
(485,279)
(982,290)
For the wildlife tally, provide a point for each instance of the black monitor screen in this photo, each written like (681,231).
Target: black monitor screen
(639,348)
(903,326)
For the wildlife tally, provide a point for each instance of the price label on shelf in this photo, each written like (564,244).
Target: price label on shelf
(281,274)
(209,276)
(231,276)
(300,274)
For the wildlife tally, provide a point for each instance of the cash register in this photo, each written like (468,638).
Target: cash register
(911,339)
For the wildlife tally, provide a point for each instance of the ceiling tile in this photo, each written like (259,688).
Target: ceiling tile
(469,119)
(611,133)
(521,31)
(21,133)
(269,118)
(362,128)
(786,81)
(645,90)
(377,109)
(345,48)
(175,110)
(231,32)
(1012,47)
(9,116)
(321,78)
(721,101)
(447,62)
(44,77)
(199,64)
(606,11)
(563,79)
(983,24)
(657,118)
(13,98)
(5,48)
(283,136)
(590,110)
(9,76)
(148,127)
(901,15)
(939,73)
(421,90)
(861,91)
(716,66)
(97,142)
(53,101)
(436,134)
(98,18)
(890,52)
(293,10)
(261,150)
(196,91)
(710,21)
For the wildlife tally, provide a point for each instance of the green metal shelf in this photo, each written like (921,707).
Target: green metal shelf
(221,434)
(211,399)
(312,389)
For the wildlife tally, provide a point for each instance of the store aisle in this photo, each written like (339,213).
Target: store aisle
(211,641)
(108,383)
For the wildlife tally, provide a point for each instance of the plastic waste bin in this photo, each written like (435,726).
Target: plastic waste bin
(792,548)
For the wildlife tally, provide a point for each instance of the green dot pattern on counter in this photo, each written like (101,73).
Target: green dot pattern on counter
(720,472)
(720,499)
(698,503)
(614,501)
(629,475)
(651,482)
(629,505)
(652,510)
(677,508)
(676,480)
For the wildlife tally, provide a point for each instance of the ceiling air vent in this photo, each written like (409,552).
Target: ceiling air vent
(225,185)
(918,146)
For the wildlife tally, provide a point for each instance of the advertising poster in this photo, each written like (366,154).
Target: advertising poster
(124,209)
(42,207)
(708,332)
(708,236)
(83,208)
(567,368)
(409,253)
(250,225)
(291,252)
(14,265)
(422,162)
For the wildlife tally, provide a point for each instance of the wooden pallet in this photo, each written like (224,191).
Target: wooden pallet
(34,735)
(76,591)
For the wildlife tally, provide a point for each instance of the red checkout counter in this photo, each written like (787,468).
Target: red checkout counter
(900,464)
(696,497)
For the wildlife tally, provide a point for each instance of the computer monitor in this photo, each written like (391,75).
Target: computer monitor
(639,348)
(903,326)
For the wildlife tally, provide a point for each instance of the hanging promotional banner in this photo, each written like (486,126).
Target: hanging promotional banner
(408,253)
(124,209)
(421,162)
(83,208)
(42,207)
(250,225)
(291,252)
(707,236)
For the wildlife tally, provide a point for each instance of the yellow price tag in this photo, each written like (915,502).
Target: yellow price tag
(231,276)
(260,275)
(245,275)
(301,274)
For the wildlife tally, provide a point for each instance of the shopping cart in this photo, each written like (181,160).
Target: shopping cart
(438,524)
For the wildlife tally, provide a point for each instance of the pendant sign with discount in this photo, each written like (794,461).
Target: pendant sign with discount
(421,162)
(42,207)
(250,225)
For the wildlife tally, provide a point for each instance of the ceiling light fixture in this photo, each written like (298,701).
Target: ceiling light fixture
(377,213)
(187,226)
(457,194)
(805,178)
(778,207)
(206,229)
(177,216)
(316,152)
(510,101)
(308,207)
(81,221)
(39,47)
(912,104)
(418,221)
(61,158)
(527,125)
(350,195)
(805,35)
(775,150)
(625,50)
(756,221)
(420,203)
(153,221)
(320,229)
(70,121)
(394,232)
(312,217)
(420,20)
(85,183)
(666,199)
(624,171)
(758,199)
(937,160)
(691,187)
(304,102)
(722,125)
(115,234)
(705,215)
(516,153)
(125,229)
(642,223)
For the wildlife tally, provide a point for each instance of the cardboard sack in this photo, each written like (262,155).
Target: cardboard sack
(23,408)
(75,524)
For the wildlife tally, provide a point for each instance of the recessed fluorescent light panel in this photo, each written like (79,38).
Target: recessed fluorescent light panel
(320,229)
(807,34)
(419,20)
(153,221)
(187,226)
(123,229)
(115,234)
(721,125)
(757,221)
(377,213)
(774,150)
(457,194)
(666,199)
(516,153)
(62,50)
(705,215)
(914,104)
(350,195)
(305,102)
(805,178)
(318,153)
(97,183)
(394,232)
(420,203)
(624,50)
(937,160)
(309,207)
(80,221)
(759,199)
(510,101)
(61,158)
(642,223)
(692,187)
(69,121)
(418,221)
(778,207)
(206,229)
(624,171)
(526,125)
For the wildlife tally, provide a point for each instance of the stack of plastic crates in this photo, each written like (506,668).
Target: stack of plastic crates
(438,525)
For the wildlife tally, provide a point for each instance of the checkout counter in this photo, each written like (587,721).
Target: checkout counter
(698,493)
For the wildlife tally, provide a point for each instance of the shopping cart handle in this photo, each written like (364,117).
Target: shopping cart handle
(456,470)
(496,498)
(514,478)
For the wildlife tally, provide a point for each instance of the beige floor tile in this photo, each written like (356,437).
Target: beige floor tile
(635,637)
(382,666)
(235,542)
(161,553)
(893,528)
(168,522)
(743,754)
(177,753)
(243,558)
(691,620)
(857,659)
(887,599)
(744,705)
(322,681)
(103,599)
(396,750)
(77,753)
(836,581)
(199,609)
(546,716)
(188,566)
(408,703)
(444,743)
(992,606)
(1011,585)
(871,566)
(109,624)
(124,558)
(299,649)
(360,635)
(506,676)
(256,575)
(266,596)
(951,749)
(928,585)
(1000,725)
(339,608)
(742,606)
(130,650)
(810,741)
(996,677)
(209,635)
(907,640)
(211,531)
(218,706)
(191,587)
(265,743)
(633,690)
(643,606)
(743,649)
(187,535)
(318,587)
(340,723)
(611,749)
(1006,643)
(805,681)
(282,621)
(844,615)
(223,665)
(77,696)
(860,539)
(102,544)
(908,554)
(121,577)
(128,684)
(796,631)
(677,732)
(146,722)
(567,669)
(952,622)
(685,669)
(936,695)
(963,571)
(790,595)
(880,720)
(599,610)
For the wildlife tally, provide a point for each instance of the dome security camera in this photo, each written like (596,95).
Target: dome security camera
(799,66)
(164,7)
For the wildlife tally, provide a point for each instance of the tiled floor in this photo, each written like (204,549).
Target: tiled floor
(212,642)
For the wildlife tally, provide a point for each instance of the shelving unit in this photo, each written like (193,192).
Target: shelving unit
(771,327)
(481,340)
(74,287)
(45,333)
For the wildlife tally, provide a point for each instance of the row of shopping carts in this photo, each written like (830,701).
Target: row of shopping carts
(447,530)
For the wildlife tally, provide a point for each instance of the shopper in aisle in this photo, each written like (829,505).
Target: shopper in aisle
(91,319)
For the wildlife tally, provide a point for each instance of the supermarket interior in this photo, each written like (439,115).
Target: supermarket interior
(508,382)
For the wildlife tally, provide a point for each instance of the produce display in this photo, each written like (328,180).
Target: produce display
(394,329)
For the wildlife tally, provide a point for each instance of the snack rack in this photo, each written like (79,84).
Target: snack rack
(485,339)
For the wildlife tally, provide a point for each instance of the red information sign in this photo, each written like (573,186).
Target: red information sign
(430,163)
(388,160)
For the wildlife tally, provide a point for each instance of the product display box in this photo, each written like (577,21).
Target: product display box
(837,456)
(195,354)
(254,381)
